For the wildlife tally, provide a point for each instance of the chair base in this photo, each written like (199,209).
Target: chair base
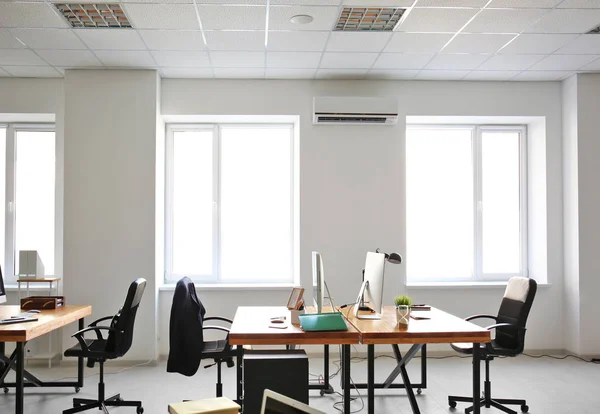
(489,402)
(84,404)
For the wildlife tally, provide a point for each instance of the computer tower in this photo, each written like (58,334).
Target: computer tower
(283,371)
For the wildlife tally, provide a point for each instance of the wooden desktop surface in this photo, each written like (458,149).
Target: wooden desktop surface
(251,326)
(48,320)
(442,327)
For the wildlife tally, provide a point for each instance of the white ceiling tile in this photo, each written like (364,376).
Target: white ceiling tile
(306,41)
(305,2)
(477,43)
(181,59)
(456,62)
(563,62)
(172,39)
(49,38)
(537,43)
(417,42)
(514,4)
(157,1)
(451,3)
(442,74)
(126,58)
(33,71)
(341,73)
(324,18)
(503,20)
(237,59)
(566,21)
(391,74)
(378,3)
(290,73)
(240,73)
(401,61)
(113,39)
(357,42)
(187,72)
(332,60)
(436,20)
(70,58)
(494,75)
(236,40)
(162,16)
(536,75)
(579,4)
(232,17)
(595,65)
(8,41)
(297,60)
(510,62)
(583,45)
(20,57)
(29,15)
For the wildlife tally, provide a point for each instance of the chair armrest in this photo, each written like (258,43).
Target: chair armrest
(216,328)
(79,334)
(95,323)
(218,318)
(499,325)
(470,318)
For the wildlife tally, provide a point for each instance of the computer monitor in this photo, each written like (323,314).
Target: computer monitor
(318,281)
(2,291)
(275,403)
(371,290)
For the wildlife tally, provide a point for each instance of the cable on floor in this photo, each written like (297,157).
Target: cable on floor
(106,373)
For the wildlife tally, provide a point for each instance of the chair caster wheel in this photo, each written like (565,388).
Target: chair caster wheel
(419,391)
(525,408)
(139,410)
(77,389)
(322,392)
(5,390)
(452,404)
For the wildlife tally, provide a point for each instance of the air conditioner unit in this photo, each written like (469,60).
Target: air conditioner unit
(353,110)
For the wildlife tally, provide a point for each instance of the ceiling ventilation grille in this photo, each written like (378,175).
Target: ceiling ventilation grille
(369,19)
(94,15)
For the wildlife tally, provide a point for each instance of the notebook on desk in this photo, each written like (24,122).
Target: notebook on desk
(333,321)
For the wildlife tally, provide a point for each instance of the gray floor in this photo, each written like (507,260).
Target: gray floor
(550,386)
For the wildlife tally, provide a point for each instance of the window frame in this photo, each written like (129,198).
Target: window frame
(477,131)
(10,253)
(216,129)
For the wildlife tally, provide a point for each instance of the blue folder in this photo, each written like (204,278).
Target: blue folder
(323,322)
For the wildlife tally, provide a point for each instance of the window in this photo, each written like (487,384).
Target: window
(27,153)
(229,204)
(465,209)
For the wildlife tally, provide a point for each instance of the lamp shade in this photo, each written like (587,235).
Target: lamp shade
(393,258)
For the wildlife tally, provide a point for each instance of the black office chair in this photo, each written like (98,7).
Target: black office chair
(116,344)
(509,340)
(187,346)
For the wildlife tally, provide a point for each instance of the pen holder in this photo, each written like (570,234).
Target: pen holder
(294,316)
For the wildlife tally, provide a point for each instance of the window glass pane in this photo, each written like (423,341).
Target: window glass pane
(439,203)
(256,194)
(192,203)
(500,196)
(34,195)
(2,197)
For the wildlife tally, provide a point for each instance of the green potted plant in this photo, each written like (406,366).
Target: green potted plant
(403,304)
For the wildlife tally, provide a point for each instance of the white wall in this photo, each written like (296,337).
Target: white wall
(351,184)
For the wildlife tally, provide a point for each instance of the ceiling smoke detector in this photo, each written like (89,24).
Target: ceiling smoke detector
(301,19)
(369,19)
(84,15)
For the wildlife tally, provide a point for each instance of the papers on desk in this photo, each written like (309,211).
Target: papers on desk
(333,321)
(17,320)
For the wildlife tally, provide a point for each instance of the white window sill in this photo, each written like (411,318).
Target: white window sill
(461,285)
(239,286)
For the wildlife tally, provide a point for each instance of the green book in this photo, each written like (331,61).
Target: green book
(323,322)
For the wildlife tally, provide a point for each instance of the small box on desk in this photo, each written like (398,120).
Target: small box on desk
(295,316)
(220,405)
(42,302)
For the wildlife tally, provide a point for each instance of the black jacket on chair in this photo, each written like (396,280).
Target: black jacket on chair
(186,339)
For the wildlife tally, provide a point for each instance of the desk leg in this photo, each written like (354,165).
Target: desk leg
(326,367)
(19,377)
(409,390)
(80,363)
(346,377)
(476,379)
(370,379)
(238,371)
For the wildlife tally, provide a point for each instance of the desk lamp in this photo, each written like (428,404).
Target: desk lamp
(394,258)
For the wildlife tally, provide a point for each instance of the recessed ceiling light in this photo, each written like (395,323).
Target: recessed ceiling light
(372,19)
(301,19)
(86,15)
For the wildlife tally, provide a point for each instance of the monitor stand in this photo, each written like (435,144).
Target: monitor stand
(359,300)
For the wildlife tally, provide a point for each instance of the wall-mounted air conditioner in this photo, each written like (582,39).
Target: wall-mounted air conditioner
(354,110)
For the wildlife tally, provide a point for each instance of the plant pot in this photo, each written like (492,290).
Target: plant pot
(403,314)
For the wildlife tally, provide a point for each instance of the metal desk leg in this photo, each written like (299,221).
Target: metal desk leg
(79,362)
(238,370)
(346,376)
(476,379)
(409,391)
(19,377)
(370,379)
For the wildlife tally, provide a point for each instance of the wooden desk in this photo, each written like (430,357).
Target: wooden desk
(251,327)
(442,327)
(48,321)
